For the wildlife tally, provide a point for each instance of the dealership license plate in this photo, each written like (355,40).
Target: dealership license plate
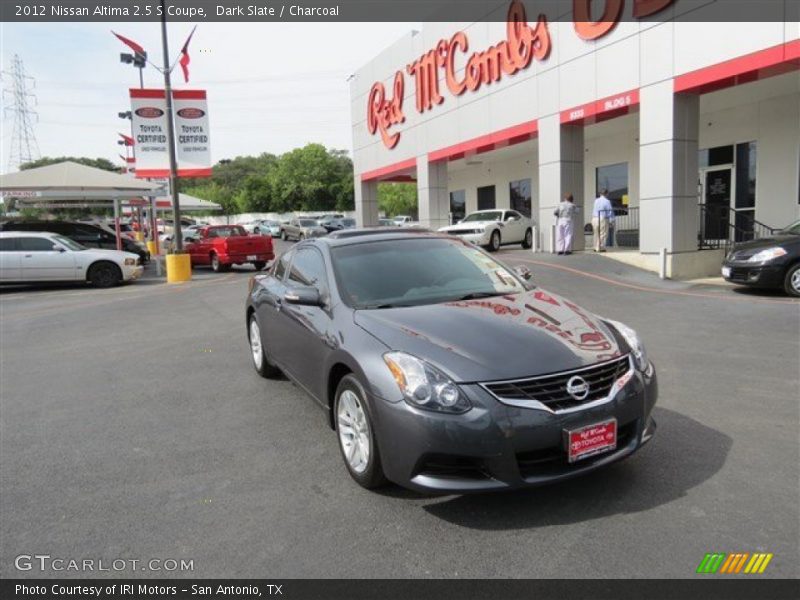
(252,257)
(591,440)
(726,271)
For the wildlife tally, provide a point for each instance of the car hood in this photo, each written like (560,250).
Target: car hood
(467,226)
(503,337)
(768,242)
(119,255)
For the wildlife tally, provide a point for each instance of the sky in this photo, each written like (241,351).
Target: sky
(271,87)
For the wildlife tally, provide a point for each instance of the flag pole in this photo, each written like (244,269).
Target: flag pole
(173,168)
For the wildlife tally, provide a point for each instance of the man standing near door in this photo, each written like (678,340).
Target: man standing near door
(602,214)
(565,224)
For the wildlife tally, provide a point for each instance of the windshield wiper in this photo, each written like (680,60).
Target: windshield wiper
(476,295)
(387,305)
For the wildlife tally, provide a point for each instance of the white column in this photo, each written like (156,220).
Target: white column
(560,173)
(366,202)
(433,200)
(668,170)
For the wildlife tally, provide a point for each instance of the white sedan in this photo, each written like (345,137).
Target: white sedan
(494,228)
(28,257)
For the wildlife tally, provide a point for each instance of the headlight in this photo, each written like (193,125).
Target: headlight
(636,345)
(130,262)
(424,386)
(767,255)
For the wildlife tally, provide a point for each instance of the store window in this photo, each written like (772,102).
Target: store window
(458,205)
(520,193)
(613,178)
(712,157)
(486,198)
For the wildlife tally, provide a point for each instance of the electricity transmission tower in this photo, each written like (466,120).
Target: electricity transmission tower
(20,99)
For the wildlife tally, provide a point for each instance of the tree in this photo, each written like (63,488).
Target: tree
(214,192)
(312,178)
(397,198)
(98,163)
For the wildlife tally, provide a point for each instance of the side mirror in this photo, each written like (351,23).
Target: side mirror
(523,272)
(58,248)
(303,296)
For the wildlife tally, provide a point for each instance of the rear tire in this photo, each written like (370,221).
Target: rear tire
(283,235)
(791,283)
(494,242)
(302,237)
(527,241)
(104,275)
(260,361)
(259,265)
(354,428)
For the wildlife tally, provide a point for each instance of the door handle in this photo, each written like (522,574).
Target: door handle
(29,256)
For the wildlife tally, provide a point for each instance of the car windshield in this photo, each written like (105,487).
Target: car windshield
(413,272)
(308,223)
(484,216)
(68,243)
(349,222)
(793,229)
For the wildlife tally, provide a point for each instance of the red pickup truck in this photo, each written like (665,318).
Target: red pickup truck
(224,245)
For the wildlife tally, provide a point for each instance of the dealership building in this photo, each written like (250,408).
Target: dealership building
(690,121)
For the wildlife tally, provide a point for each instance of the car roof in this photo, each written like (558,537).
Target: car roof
(377,234)
(10,234)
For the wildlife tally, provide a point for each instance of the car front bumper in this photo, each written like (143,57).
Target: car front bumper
(495,446)
(479,239)
(131,273)
(766,276)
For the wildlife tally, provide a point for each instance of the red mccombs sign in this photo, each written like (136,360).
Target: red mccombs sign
(523,44)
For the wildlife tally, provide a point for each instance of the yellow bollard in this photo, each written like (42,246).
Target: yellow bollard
(151,248)
(179,268)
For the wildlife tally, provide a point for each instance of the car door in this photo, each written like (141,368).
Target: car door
(43,260)
(10,259)
(514,229)
(270,305)
(307,339)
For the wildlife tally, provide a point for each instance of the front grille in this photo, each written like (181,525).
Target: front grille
(554,460)
(551,390)
(739,274)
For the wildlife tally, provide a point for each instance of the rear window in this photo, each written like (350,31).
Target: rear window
(226,232)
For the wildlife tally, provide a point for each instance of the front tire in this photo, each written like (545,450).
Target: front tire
(217,266)
(260,361)
(356,434)
(283,235)
(791,283)
(104,275)
(494,241)
(527,241)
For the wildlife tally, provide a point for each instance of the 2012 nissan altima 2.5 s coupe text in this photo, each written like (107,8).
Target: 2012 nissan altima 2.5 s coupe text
(443,370)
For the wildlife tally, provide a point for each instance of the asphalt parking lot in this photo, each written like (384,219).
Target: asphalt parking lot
(132,425)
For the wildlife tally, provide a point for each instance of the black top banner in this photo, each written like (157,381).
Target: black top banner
(401,589)
(199,11)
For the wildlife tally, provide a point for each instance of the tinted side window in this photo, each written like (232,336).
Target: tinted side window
(308,268)
(7,245)
(34,244)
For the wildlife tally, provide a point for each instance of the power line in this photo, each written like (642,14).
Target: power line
(23,140)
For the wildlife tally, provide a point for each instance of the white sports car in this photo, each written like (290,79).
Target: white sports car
(494,228)
(27,257)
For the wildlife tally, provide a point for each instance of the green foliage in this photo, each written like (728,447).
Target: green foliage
(397,198)
(98,163)
(310,178)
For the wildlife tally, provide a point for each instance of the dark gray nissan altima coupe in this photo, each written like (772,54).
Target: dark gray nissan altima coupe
(443,370)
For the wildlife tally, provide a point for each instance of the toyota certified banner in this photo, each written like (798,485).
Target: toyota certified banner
(149,114)
(191,133)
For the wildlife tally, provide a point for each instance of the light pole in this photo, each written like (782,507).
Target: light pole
(173,168)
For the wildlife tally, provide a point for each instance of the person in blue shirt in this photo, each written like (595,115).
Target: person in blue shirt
(602,216)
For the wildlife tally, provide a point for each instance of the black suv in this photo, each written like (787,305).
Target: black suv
(87,234)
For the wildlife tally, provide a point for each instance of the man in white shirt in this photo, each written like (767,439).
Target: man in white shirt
(602,214)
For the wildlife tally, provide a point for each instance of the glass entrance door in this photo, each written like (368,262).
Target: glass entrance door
(718,191)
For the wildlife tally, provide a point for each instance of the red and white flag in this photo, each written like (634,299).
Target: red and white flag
(184,61)
(127,159)
(128,139)
(130,44)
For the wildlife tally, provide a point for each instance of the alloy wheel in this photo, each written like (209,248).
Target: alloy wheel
(255,343)
(354,433)
(795,282)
